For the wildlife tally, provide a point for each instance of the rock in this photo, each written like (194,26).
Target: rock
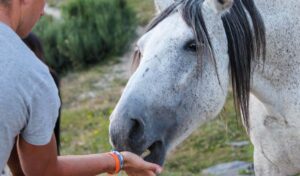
(54,12)
(87,95)
(235,168)
(239,144)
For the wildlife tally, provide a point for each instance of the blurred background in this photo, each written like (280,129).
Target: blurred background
(89,44)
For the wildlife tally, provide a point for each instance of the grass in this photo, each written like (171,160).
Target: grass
(90,96)
(144,9)
(210,144)
(85,121)
(54,3)
(87,104)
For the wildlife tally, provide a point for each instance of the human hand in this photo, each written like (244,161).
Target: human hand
(136,166)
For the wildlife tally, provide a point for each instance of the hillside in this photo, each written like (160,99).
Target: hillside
(89,97)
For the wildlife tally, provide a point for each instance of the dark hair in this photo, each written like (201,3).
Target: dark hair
(246,42)
(35,45)
(33,42)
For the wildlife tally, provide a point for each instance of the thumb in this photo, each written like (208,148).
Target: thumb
(154,167)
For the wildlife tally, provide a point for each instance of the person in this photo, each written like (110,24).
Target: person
(35,45)
(28,114)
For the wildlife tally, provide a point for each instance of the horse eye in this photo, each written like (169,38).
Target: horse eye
(191,46)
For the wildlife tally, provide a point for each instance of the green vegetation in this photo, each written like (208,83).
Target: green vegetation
(96,29)
(89,96)
(50,32)
(144,9)
(210,144)
(85,124)
(88,99)
(90,128)
(89,32)
(54,3)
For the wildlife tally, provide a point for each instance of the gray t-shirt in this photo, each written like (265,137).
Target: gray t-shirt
(29,101)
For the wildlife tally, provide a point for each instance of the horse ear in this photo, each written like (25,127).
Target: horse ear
(219,6)
(162,4)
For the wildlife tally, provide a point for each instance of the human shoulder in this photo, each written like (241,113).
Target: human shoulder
(22,74)
(18,62)
(27,84)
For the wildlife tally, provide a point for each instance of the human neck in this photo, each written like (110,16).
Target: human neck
(4,16)
(10,16)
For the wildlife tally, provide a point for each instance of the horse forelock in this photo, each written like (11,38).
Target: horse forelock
(245,36)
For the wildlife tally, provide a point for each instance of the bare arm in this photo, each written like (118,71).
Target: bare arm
(14,162)
(43,161)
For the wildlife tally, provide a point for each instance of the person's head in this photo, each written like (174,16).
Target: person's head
(21,15)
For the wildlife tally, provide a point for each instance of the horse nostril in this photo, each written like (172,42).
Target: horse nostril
(137,130)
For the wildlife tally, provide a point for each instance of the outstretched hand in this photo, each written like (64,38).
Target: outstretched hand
(136,166)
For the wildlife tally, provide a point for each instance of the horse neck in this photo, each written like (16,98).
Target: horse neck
(276,5)
(280,71)
(278,78)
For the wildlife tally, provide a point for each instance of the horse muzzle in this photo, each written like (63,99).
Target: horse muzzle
(132,130)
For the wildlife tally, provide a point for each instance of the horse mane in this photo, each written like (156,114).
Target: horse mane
(245,33)
(246,43)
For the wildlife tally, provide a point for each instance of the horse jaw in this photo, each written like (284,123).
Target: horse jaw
(162,4)
(167,88)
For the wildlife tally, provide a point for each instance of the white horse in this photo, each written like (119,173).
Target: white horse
(191,52)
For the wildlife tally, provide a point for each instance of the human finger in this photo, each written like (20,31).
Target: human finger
(153,167)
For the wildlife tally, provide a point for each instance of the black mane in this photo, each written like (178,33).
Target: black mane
(244,45)
(245,33)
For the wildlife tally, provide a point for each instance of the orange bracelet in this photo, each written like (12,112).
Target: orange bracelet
(117,162)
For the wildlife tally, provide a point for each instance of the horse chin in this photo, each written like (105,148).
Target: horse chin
(156,154)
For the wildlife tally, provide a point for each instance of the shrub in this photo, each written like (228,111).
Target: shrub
(89,32)
(51,35)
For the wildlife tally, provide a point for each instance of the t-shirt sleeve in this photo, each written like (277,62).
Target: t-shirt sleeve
(43,111)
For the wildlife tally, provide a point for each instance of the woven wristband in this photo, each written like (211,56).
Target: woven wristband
(119,161)
(121,158)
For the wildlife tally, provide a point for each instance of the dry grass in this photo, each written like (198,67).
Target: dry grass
(90,96)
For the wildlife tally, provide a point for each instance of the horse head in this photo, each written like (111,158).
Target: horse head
(181,78)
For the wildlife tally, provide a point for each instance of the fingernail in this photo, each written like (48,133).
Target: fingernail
(158,170)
